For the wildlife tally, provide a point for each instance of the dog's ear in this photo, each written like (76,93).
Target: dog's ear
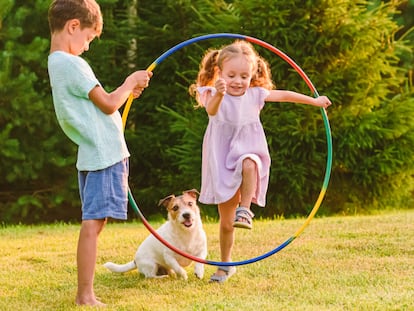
(193,192)
(166,200)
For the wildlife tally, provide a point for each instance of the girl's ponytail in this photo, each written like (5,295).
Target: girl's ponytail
(207,73)
(263,76)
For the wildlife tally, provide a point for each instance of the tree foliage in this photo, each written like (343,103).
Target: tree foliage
(349,51)
(359,53)
(36,158)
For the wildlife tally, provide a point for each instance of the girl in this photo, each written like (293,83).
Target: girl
(233,85)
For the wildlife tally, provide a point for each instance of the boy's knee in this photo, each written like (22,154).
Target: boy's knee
(94,226)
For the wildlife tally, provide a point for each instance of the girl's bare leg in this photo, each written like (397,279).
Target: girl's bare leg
(249,182)
(227,209)
(226,212)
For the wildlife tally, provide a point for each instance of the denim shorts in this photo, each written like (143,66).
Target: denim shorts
(104,193)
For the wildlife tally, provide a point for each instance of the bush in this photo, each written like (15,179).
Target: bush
(36,157)
(348,49)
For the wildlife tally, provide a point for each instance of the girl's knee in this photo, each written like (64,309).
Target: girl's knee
(249,165)
(226,227)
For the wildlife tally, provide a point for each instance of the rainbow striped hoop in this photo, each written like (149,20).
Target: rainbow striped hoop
(328,156)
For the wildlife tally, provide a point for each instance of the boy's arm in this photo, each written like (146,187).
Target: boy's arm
(293,97)
(111,102)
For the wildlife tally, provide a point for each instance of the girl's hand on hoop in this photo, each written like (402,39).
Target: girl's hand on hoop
(220,86)
(323,101)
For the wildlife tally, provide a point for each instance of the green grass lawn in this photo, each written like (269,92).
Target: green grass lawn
(338,263)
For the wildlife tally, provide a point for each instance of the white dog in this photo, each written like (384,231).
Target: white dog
(183,230)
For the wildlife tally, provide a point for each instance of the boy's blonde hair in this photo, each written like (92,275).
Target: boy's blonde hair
(87,12)
(213,59)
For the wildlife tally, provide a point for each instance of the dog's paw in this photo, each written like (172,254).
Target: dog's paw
(182,274)
(199,270)
(199,275)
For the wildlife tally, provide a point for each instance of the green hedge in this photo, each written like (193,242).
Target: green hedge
(356,52)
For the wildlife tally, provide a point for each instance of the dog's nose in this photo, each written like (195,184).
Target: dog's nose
(187,215)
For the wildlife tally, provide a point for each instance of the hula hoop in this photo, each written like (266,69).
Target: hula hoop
(328,157)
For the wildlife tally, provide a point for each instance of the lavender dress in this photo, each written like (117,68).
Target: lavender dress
(232,135)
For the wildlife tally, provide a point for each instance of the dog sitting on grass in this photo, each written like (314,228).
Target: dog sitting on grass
(183,230)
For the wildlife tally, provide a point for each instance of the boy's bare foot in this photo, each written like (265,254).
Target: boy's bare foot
(89,302)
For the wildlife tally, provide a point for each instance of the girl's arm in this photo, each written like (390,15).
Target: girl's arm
(108,103)
(213,102)
(293,97)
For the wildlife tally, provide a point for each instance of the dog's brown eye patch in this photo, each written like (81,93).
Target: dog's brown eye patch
(175,208)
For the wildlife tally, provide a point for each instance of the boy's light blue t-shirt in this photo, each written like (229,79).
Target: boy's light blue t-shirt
(99,136)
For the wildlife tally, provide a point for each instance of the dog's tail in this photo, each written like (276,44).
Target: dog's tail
(120,268)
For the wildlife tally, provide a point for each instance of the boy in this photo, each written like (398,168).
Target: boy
(89,117)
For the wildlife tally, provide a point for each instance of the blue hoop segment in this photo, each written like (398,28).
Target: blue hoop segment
(328,157)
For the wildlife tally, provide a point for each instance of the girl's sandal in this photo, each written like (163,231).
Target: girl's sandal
(243,218)
(229,271)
